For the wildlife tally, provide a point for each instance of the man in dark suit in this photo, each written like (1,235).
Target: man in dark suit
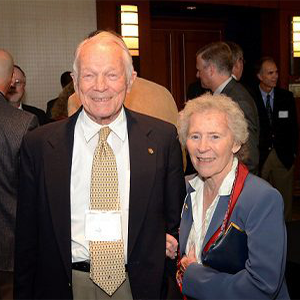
(13,125)
(16,93)
(214,65)
(53,254)
(278,132)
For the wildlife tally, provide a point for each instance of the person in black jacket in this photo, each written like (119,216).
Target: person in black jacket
(214,68)
(53,257)
(278,131)
(14,124)
(16,93)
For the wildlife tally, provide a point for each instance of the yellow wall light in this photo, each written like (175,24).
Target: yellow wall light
(296,36)
(130,28)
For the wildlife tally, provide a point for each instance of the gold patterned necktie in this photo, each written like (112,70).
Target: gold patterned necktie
(107,258)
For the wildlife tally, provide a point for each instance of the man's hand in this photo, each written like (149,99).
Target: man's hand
(171,246)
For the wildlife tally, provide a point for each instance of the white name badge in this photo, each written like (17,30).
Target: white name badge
(103,225)
(283,114)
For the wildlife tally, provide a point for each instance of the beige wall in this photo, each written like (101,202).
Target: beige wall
(42,36)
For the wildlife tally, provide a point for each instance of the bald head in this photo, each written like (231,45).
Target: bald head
(6,70)
(105,38)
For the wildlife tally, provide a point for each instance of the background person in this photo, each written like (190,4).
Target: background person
(16,93)
(65,79)
(237,60)
(278,138)
(14,124)
(214,130)
(214,65)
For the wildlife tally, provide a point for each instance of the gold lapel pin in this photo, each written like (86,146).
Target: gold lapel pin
(186,207)
(150,151)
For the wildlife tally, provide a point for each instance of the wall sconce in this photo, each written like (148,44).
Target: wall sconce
(296,36)
(130,28)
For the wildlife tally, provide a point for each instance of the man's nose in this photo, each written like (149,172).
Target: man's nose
(13,83)
(12,86)
(101,83)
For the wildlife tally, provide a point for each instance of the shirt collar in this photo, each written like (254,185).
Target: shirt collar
(226,187)
(222,86)
(91,128)
(264,94)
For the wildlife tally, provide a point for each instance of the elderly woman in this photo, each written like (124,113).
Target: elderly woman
(222,196)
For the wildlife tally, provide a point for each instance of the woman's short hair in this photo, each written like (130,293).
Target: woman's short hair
(104,37)
(222,103)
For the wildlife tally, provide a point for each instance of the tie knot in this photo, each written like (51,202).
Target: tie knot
(104,132)
(268,96)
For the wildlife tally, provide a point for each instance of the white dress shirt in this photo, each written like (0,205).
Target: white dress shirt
(85,141)
(200,226)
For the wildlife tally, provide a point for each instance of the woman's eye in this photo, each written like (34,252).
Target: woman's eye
(194,137)
(215,136)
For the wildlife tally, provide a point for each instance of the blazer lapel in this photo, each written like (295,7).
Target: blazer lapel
(57,162)
(217,218)
(142,152)
(186,221)
(275,103)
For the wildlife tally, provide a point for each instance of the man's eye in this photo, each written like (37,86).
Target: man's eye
(112,76)
(87,76)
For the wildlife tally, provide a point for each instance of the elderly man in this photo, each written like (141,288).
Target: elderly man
(214,68)
(99,191)
(13,125)
(16,94)
(279,132)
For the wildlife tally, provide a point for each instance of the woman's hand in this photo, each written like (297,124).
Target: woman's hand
(188,259)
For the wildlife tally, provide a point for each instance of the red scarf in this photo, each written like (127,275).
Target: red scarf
(238,185)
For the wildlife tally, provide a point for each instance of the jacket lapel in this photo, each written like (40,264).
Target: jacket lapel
(143,154)
(186,221)
(275,103)
(57,162)
(217,219)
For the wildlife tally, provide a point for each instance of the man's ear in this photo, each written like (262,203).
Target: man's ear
(74,77)
(211,69)
(259,76)
(132,79)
